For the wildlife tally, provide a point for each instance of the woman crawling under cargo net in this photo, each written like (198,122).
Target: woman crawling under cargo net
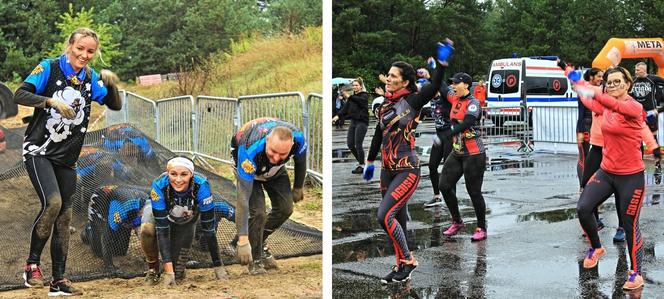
(177,199)
(115,211)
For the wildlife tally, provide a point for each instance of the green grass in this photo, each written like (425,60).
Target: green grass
(257,66)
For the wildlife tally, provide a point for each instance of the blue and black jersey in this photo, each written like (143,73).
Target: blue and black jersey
(116,137)
(49,134)
(252,163)
(120,207)
(178,208)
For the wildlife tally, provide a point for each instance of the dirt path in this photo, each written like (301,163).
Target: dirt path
(297,278)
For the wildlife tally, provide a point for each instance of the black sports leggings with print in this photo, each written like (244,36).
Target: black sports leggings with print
(472,169)
(592,162)
(396,187)
(55,185)
(439,150)
(629,191)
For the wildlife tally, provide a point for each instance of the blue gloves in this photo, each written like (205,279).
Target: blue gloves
(445,51)
(368,172)
(575,76)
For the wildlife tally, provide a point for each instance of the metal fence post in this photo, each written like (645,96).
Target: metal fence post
(156,125)
(195,124)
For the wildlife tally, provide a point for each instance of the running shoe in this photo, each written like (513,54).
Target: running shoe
(600,224)
(152,277)
(257,268)
(634,281)
(407,268)
(269,262)
(453,229)
(592,258)
(63,287)
(33,276)
(358,170)
(435,201)
(389,278)
(478,235)
(620,235)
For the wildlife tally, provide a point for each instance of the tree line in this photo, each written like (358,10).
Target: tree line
(369,35)
(141,37)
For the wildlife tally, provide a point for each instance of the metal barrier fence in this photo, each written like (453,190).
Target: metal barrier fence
(216,122)
(203,127)
(555,124)
(313,120)
(142,112)
(114,117)
(286,106)
(174,123)
(506,127)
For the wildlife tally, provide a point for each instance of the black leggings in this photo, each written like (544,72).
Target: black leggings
(439,150)
(592,162)
(583,152)
(55,185)
(262,224)
(472,168)
(355,138)
(629,191)
(397,187)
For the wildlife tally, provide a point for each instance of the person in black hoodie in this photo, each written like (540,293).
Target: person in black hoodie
(356,110)
(644,92)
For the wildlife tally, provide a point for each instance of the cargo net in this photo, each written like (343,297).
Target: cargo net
(116,168)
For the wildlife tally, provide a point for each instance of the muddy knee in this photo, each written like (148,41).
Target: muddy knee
(149,242)
(47,219)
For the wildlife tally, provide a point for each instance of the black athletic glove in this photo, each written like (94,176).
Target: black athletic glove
(562,64)
(657,154)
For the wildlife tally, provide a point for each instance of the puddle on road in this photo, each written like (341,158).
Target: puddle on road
(548,216)
(376,244)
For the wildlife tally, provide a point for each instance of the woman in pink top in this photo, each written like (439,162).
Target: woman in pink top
(621,170)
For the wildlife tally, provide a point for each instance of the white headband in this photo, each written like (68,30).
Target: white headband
(180,161)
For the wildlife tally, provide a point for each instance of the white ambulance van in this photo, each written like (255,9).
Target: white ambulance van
(532,81)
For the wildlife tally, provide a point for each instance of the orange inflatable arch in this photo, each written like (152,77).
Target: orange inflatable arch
(618,48)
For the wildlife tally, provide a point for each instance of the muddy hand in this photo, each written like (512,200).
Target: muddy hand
(65,110)
(244,253)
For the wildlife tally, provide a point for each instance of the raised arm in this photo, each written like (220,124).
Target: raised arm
(631,109)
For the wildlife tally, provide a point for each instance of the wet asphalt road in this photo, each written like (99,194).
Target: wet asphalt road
(534,249)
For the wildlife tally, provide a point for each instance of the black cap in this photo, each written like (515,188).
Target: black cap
(462,77)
